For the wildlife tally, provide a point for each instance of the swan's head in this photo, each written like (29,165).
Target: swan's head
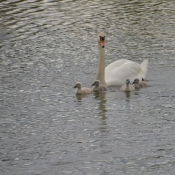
(136,81)
(96,83)
(128,81)
(101,39)
(78,85)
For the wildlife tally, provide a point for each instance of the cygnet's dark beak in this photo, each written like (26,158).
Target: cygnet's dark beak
(93,84)
(75,86)
(133,82)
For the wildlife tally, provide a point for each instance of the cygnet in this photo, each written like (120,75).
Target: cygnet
(98,87)
(127,87)
(139,84)
(82,90)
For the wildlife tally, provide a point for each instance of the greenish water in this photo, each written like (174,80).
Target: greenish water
(46,47)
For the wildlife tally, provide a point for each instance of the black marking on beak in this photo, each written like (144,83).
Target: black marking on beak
(102,38)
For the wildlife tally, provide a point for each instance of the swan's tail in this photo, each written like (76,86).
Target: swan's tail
(144,67)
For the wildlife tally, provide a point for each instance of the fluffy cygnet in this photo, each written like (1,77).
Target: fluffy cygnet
(139,84)
(98,87)
(82,90)
(127,87)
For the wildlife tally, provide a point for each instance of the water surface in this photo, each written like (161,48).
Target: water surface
(46,47)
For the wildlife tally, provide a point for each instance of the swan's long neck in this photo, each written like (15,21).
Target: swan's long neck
(101,66)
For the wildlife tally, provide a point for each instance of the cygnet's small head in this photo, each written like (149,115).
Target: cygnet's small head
(78,85)
(136,81)
(101,39)
(128,81)
(96,83)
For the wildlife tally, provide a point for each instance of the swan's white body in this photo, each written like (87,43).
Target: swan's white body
(117,72)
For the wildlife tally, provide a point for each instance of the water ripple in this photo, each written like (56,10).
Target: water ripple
(46,47)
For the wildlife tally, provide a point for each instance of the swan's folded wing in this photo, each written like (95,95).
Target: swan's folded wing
(115,64)
(119,75)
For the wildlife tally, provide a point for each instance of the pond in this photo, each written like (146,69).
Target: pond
(46,47)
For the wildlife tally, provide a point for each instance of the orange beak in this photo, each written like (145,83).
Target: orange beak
(102,43)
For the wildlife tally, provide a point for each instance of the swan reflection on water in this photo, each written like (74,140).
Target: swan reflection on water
(101,96)
(102,101)
(81,96)
(128,95)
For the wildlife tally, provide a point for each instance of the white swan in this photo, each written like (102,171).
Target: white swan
(82,90)
(139,84)
(117,72)
(98,87)
(127,87)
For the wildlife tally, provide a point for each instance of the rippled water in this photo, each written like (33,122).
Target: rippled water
(46,47)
